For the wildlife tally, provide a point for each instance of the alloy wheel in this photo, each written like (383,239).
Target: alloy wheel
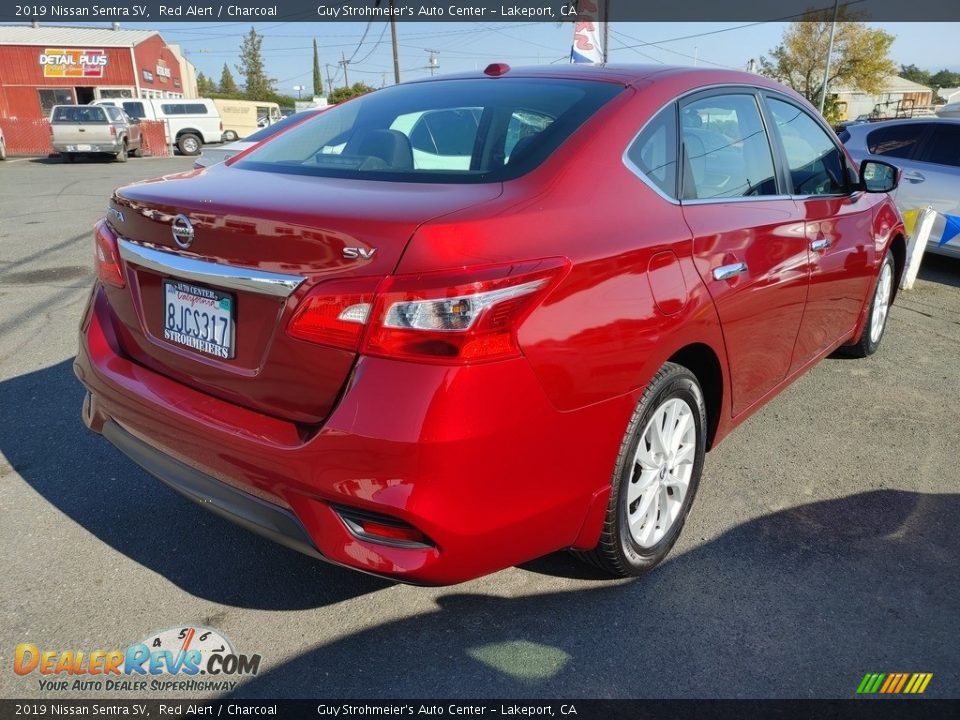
(881,303)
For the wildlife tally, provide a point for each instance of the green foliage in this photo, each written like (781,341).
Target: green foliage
(317,79)
(228,86)
(342,94)
(860,60)
(205,85)
(256,83)
(915,74)
(945,78)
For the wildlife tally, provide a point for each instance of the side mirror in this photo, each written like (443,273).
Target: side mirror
(878,177)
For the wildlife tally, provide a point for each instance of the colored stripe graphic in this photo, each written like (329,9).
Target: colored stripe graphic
(894,683)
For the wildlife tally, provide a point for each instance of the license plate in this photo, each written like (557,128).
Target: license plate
(198,318)
(79,148)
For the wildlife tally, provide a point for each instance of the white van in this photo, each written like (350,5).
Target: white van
(189,122)
(245,117)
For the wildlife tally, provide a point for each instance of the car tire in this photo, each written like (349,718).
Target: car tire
(189,144)
(67,157)
(3,150)
(633,541)
(138,153)
(230,136)
(878,313)
(122,155)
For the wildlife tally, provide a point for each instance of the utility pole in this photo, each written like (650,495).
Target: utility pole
(345,62)
(393,38)
(329,79)
(606,32)
(826,70)
(433,63)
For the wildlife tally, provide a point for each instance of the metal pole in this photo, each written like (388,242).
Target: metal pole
(606,31)
(343,61)
(826,70)
(393,38)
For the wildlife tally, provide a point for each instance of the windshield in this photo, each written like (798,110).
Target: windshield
(444,131)
(279,125)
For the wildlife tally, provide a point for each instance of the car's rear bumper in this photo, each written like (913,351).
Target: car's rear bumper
(476,458)
(98,147)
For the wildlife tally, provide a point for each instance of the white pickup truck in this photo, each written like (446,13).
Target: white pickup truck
(82,129)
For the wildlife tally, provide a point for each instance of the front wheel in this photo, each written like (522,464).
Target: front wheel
(879,311)
(122,155)
(230,136)
(656,475)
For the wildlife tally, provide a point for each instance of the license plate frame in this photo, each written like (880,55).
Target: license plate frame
(198,313)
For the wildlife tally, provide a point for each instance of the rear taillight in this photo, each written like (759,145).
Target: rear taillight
(107,255)
(113,131)
(221,126)
(452,317)
(335,313)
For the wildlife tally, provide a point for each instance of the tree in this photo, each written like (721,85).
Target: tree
(205,85)
(944,78)
(317,79)
(915,74)
(257,84)
(860,58)
(228,85)
(342,94)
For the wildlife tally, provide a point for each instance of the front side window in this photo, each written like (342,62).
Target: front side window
(115,113)
(726,152)
(899,141)
(944,146)
(816,165)
(444,131)
(654,152)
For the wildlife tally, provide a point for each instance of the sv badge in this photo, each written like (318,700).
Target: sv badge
(355,253)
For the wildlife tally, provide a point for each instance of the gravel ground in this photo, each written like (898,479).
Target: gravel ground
(822,545)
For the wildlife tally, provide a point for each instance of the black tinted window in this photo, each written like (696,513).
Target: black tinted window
(379,137)
(726,150)
(184,109)
(895,140)
(134,109)
(654,152)
(944,146)
(816,164)
(80,114)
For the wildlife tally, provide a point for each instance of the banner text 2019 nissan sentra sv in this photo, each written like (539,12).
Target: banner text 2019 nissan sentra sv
(457,324)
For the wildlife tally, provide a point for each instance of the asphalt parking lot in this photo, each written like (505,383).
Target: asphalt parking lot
(822,545)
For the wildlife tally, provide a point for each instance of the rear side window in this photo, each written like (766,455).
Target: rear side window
(654,153)
(816,165)
(898,141)
(446,131)
(943,147)
(80,114)
(726,152)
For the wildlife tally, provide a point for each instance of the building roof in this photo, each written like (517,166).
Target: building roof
(54,35)
(895,83)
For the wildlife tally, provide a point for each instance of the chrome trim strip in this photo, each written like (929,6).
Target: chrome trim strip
(235,278)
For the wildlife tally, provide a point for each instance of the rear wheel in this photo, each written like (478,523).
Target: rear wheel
(122,155)
(877,315)
(656,476)
(230,136)
(189,144)
(67,157)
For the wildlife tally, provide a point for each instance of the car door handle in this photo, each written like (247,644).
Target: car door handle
(727,272)
(821,244)
(913,176)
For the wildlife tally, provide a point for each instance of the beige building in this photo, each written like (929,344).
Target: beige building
(188,73)
(899,98)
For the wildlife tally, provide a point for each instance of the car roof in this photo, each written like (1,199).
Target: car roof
(623,74)
(868,127)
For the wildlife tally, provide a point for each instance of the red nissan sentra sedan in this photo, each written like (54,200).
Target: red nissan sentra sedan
(457,324)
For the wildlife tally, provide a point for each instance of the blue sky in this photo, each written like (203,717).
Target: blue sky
(466,46)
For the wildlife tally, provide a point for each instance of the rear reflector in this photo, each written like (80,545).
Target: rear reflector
(382,528)
(107,255)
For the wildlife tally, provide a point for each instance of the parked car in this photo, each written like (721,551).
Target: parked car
(928,151)
(214,155)
(88,129)
(189,124)
(951,110)
(432,374)
(242,118)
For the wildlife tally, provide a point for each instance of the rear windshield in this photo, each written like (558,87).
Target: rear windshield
(445,131)
(79,114)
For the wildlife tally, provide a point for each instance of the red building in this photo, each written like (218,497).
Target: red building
(53,65)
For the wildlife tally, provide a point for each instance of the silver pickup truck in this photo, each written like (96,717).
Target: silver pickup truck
(81,129)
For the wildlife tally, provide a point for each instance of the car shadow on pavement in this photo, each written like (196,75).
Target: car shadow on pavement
(798,603)
(92,483)
(940,269)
